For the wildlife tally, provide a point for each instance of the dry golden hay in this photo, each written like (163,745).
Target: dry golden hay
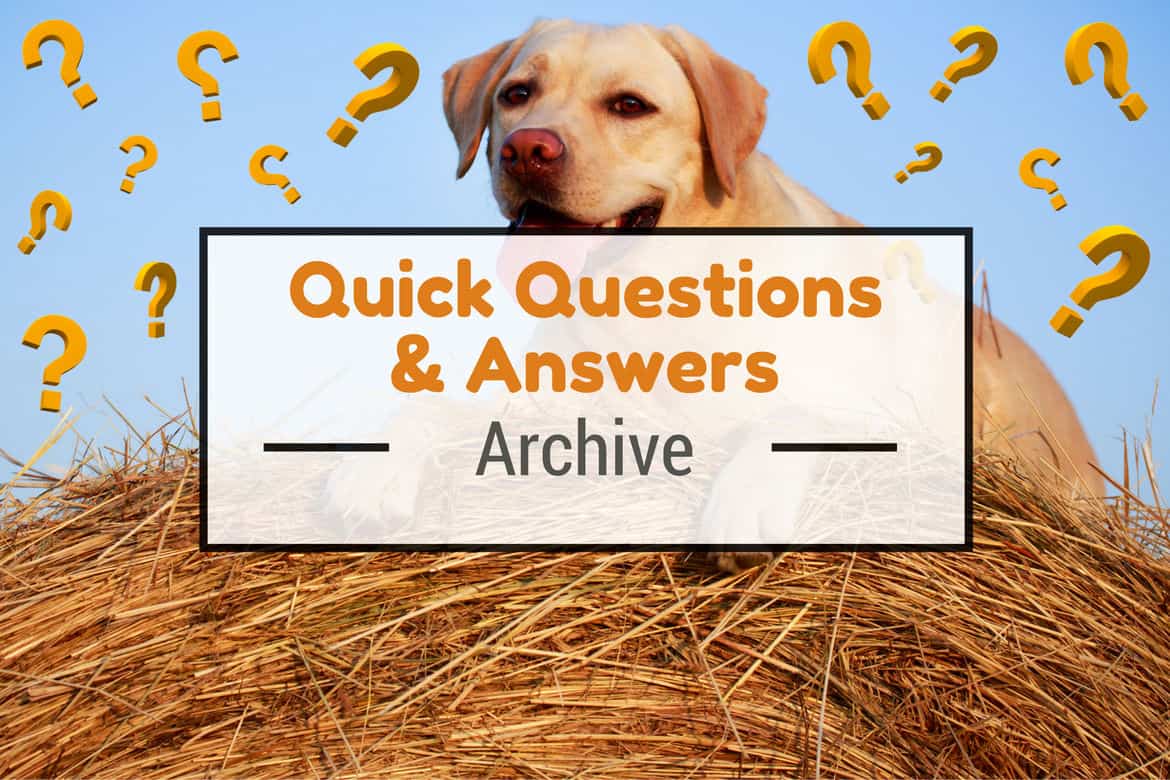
(126,652)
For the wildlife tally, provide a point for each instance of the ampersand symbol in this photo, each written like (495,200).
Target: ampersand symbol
(408,375)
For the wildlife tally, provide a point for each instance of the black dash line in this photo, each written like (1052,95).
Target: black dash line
(327,446)
(835,446)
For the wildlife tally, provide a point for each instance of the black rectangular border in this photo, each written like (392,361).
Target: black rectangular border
(966,233)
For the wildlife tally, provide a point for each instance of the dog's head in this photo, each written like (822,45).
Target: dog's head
(623,127)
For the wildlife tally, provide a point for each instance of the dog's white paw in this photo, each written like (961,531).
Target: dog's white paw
(372,490)
(735,562)
(370,495)
(756,499)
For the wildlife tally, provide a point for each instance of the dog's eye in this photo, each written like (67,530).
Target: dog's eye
(630,105)
(516,95)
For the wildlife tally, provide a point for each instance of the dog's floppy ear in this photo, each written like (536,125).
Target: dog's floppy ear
(468,87)
(730,99)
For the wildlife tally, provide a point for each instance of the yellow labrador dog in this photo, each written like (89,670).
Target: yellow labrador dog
(636,126)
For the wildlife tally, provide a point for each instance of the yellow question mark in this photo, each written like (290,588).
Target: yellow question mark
(149,158)
(188,58)
(914,262)
(261,176)
(62,217)
(934,157)
(165,275)
(849,37)
(397,88)
(71,41)
(1117,281)
(986,49)
(1109,40)
(1029,176)
(73,336)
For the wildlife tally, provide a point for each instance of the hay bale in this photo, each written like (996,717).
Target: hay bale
(124,651)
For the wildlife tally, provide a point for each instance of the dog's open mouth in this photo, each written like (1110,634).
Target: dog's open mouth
(534,214)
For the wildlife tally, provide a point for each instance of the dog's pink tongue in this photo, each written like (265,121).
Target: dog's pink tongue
(522,249)
(535,215)
(518,251)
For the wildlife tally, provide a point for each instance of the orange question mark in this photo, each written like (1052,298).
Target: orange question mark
(188,59)
(1034,180)
(62,217)
(75,344)
(914,265)
(1117,281)
(165,275)
(149,158)
(71,41)
(986,49)
(1110,41)
(262,176)
(397,88)
(852,39)
(933,158)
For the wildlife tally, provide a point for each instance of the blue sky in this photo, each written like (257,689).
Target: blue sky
(295,75)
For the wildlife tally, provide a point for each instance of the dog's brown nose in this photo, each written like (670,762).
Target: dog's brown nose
(532,153)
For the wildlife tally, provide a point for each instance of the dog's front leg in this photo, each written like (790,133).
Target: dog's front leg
(755,500)
(371,496)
